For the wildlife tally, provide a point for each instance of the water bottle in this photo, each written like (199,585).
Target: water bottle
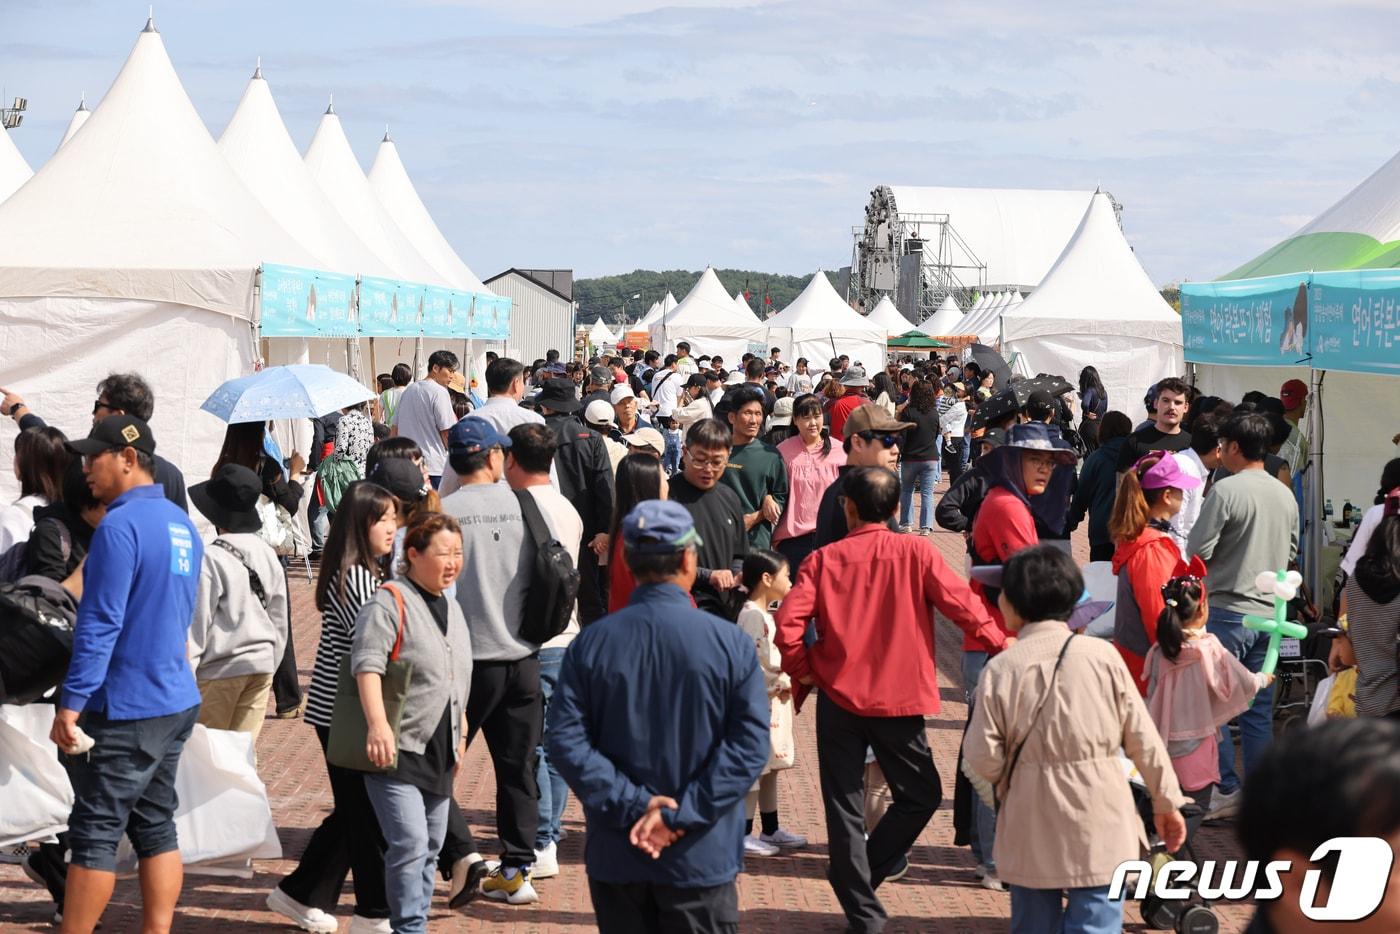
(1327,509)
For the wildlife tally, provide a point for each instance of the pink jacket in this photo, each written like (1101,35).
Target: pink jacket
(1205,687)
(809,474)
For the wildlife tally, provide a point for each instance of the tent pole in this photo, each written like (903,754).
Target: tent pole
(1314,493)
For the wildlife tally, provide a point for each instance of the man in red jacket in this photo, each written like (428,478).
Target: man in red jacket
(872,595)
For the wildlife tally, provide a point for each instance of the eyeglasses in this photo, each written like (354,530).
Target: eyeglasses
(888,441)
(89,459)
(718,463)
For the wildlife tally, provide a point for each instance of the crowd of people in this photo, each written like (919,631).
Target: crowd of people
(628,576)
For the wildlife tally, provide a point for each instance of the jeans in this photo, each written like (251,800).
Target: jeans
(1043,911)
(554,794)
(984,819)
(414,823)
(671,460)
(319,521)
(956,461)
(923,474)
(126,785)
(1256,723)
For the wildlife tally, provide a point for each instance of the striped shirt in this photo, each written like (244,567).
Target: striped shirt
(337,637)
(1373,629)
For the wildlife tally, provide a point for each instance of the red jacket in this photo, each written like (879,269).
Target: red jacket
(872,595)
(842,408)
(1003,526)
(1144,564)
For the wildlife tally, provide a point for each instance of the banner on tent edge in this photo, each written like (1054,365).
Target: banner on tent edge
(297,302)
(1355,321)
(490,317)
(389,308)
(1248,322)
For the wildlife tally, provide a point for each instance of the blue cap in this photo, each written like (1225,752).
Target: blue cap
(474,434)
(659,527)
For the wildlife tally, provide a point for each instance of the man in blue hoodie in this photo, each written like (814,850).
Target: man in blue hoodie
(129,685)
(661,754)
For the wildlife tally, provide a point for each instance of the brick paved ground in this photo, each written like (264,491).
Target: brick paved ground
(787,893)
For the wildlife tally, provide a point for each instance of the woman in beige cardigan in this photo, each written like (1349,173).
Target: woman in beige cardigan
(1050,716)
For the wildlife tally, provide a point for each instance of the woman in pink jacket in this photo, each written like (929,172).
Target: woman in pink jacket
(812,464)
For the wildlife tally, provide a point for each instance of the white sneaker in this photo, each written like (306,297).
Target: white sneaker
(303,916)
(546,863)
(1223,806)
(753,846)
(783,839)
(359,925)
(990,881)
(15,854)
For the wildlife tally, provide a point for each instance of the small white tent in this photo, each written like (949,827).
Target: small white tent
(888,317)
(1097,306)
(135,247)
(974,319)
(599,334)
(653,315)
(14,171)
(945,321)
(818,325)
(989,329)
(709,321)
(742,303)
(76,123)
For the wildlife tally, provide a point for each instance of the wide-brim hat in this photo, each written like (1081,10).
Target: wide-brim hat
(557,395)
(1038,436)
(229,499)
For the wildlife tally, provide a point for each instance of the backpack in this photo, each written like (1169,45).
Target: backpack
(549,604)
(13,563)
(333,477)
(36,637)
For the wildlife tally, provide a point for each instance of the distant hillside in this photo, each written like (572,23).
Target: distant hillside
(605,296)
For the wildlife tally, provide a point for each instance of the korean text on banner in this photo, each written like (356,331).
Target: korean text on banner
(389,308)
(1247,322)
(1355,321)
(300,302)
(492,318)
(445,313)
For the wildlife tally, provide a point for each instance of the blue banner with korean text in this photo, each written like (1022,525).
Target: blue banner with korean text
(1247,322)
(1355,321)
(389,308)
(297,302)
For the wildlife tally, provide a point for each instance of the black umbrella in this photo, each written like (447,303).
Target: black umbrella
(988,360)
(1013,398)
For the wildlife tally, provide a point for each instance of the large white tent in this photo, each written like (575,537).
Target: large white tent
(390,182)
(76,123)
(973,321)
(1097,306)
(14,171)
(709,321)
(888,317)
(945,321)
(599,334)
(818,325)
(138,246)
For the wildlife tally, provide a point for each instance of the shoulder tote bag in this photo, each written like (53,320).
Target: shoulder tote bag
(345,746)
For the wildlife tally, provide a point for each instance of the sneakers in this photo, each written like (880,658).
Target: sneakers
(546,863)
(511,886)
(466,881)
(1223,806)
(362,925)
(303,916)
(900,870)
(990,882)
(783,839)
(754,846)
(15,855)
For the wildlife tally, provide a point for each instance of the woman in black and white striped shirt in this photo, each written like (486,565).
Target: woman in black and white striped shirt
(352,566)
(1373,614)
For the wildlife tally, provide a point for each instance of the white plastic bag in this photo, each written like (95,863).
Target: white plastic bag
(223,819)
(1102,585)
(1317,713)
(35,794)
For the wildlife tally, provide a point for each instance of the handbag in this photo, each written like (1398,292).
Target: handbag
(345,746)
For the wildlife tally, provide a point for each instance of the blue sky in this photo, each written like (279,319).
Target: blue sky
(617,134)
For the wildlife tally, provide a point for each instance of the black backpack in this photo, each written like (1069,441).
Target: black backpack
(15,559)
(36,638)
(549,603)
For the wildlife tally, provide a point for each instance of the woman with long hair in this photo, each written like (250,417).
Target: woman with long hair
(348,839)
(1149,496)
(812,463)
(639,478)
(919,456)
(1093,404)
(41,459)
(245,443)
(1098,484)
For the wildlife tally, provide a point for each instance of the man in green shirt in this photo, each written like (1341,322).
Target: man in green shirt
(756,470)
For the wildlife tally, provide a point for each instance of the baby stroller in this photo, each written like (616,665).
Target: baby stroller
(1191,915)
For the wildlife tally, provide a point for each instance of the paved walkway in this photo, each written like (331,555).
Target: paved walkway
(788,893)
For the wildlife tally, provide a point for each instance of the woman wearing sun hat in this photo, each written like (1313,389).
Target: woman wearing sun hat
(1149,495)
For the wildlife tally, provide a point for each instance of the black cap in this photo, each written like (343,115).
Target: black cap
(114,433)
(400,476)
(558,395)
(696,381)
(1040,404)
(230,499)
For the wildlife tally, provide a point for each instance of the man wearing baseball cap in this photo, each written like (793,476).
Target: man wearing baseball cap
(1294,396)
(872,440)
(628,419)
(650,771)
(129,685)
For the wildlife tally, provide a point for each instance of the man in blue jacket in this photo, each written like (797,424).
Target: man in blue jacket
(129,686)
(659,723)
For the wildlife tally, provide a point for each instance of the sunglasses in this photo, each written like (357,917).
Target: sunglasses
(888,441)
(98,405)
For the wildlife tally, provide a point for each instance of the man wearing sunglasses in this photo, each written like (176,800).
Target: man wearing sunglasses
(118,394)
(872,440)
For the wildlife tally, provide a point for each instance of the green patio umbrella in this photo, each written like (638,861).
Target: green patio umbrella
(916,340)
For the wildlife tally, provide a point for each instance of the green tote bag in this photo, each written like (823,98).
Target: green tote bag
(349,732)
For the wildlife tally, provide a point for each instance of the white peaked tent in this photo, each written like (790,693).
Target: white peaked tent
(945,321)
(14,171)
(888,317)
(79,118)
(654,315)
(135,247)
(989,330)
(390,182)
(599,334)
(1097,306)
(818,325)
(974,319)
(333,166)
(708,320)
(742,303)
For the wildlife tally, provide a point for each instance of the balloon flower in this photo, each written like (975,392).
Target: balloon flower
(1282,586)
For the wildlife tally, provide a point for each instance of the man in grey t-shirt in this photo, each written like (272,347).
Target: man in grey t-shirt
(505,702)
(425,413)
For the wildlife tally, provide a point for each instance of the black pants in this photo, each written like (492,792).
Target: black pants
(858,866)
(1102,552)
(646,908)
(796,549)
(592,587)
(286,688)
(348,840)
(506,706)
